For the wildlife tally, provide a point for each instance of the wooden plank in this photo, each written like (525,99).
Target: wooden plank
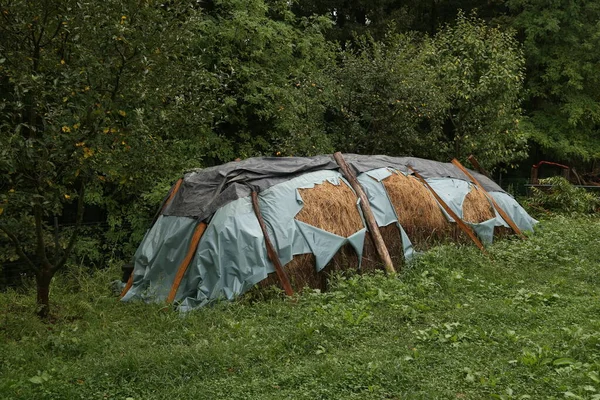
(271,253)
(173,193)
(162,208)
(127,286)
(502,213)
(382,251)
(198,232)
(461,224)
(478,167)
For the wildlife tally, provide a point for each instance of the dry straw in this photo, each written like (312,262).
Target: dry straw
(418,212)
(477,207)
(333,208)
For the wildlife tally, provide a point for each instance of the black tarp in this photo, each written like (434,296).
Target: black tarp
(204,191)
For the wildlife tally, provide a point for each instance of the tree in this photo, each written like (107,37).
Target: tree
(265,68)
(480,71)
(450,95)
(103,102)
(388,99)
(563,75)
(77,85)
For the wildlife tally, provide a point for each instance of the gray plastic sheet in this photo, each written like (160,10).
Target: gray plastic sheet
(204,191)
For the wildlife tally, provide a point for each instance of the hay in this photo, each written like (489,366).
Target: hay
(331,208)
(418,211)
(476,207)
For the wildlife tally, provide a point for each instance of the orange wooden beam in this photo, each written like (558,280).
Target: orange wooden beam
(465,228)
(172,194)
(503,214)
(198,232)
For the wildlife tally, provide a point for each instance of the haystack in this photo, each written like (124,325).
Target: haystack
(417,210)
(332,208)
(207,244)
(477,207)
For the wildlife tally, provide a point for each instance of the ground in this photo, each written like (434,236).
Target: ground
(523,322)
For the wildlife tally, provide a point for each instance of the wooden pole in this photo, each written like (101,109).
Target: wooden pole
(272,254)
(478,167)
(465,228)
(382,251)
(127,286)
(503,214)
(198,232)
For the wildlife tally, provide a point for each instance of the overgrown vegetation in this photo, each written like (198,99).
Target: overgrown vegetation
(560,196)
(522,323)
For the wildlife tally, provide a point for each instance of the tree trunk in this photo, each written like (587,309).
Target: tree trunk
(42,279)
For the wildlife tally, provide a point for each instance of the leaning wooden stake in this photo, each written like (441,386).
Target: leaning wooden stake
(478,167)
(503,214)
(127,286)
(270,249)
(198,232)
(465,228)
(384,255)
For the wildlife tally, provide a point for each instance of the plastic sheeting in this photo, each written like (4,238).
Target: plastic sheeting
(204,191)
(231,257)
(514,210)
(157,258)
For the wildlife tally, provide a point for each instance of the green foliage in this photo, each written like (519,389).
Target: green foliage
(522,323)
(563,70)
(266,78)
(388,99)
(481,72)
(562,197)
(451,95)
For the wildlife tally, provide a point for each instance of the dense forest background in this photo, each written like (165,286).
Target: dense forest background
(104,104)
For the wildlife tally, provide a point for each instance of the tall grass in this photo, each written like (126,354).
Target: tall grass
(522,323)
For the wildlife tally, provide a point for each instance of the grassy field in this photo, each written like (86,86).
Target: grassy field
(522,323)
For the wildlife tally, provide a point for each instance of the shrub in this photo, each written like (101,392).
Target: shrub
(562,197)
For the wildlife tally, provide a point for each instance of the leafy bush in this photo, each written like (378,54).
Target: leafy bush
(562,197)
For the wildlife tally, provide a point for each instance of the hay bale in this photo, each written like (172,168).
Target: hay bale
(477,207)
(331,208)
(393,242)
(418,212)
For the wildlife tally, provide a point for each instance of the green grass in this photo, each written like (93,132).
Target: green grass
(454,325)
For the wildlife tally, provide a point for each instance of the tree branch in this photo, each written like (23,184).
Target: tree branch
(19,248)
(80,208)
(119,73)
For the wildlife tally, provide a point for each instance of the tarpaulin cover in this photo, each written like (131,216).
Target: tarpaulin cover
(204,191)
(231,256)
